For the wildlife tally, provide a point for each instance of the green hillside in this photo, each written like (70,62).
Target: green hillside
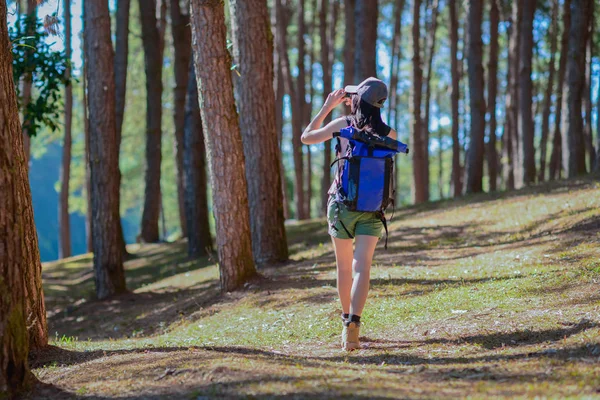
(491,295)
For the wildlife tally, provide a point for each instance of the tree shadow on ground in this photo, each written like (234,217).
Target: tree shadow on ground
(53,355)
(135,314)
(373,355)
(236,389)
(75,279)
(497,340)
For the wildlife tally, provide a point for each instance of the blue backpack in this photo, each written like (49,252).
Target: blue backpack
(366,180)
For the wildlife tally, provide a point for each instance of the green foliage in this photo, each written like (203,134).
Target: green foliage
(33,56)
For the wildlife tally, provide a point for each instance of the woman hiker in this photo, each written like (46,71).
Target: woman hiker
(366,101)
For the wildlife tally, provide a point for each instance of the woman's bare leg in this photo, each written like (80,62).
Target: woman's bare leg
(363,257)
(343,257)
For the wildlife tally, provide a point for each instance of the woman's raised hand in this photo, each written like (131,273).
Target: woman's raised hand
(334,99)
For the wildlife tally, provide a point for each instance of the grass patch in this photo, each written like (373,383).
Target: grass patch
(487,296)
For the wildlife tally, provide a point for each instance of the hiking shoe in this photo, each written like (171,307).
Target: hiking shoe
(350,334)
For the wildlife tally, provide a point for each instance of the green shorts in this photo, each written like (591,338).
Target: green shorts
(356,222)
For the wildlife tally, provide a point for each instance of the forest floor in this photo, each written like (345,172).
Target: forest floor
(494,295)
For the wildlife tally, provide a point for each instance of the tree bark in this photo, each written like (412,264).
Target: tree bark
(556,156)
(121,58)
(253,53)
(19,255)
(349,42)
(475,155)
(419,185)
(553,37)
(574,150)
(308,105)
(525,117)
(511,167)
(108,254)
(492,155)
(431,51)
(365,39)
(296,114)
(327,87)
(513,113)
(301,104)
(307,108)
(65,171)
(587,99)
(35,309)
(228,180)
(279,94)
(196,197)
(440,152)
(28,80)
(153,67)
(395,61)
(121,55)
(182,46)
(597,163)
(88,176)
(455,96)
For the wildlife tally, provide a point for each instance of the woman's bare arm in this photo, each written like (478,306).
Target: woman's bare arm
(314,136)
(313,133)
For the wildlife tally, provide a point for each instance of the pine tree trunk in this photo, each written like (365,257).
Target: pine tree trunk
(312,32)
(108,254)
(349,42)
(121,55)
(228,179)
(475,155)
(253,53)
(153,66)
(419,187)
(365,39)
(196,197)
(556,156)
(121,58)
(597,164)
(525,117)
(327,87)
(28,80)
(182,47)
(464,84)
(513,113)
(492,155)
(307,108)
(430,54)
(279,93)
(88,175)
(279,89)
(20,257)
(587,96)
(282,23)
(455,96)
(35,309)
(395,61)
(511,149)
(298,147)
(573,151)
(553,37)
(65,171)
